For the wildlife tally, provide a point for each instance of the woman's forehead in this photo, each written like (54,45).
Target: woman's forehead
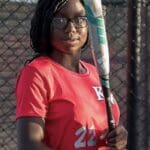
(72,8)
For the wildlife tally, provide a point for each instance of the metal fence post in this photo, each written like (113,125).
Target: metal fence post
(137,121)
(147,67)
(146,42)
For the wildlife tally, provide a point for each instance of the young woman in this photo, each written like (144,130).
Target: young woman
(60,104)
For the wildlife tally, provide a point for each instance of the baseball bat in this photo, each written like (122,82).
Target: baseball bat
(101,51)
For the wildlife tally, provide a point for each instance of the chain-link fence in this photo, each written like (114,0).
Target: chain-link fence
(15,16)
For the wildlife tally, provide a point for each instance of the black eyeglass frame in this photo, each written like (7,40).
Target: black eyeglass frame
(67,20)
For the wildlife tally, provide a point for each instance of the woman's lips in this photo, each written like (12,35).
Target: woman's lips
(71,40)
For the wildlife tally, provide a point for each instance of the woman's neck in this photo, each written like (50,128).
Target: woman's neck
(71,62)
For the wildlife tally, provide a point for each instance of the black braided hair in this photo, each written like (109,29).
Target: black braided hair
(40,24)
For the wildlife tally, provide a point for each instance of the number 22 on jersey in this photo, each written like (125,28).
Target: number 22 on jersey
(82,141)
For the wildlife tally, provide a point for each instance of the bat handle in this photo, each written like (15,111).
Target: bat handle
(107,95)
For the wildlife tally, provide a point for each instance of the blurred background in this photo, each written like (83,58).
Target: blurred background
(128,30)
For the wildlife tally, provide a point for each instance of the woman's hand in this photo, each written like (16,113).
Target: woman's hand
(117,138)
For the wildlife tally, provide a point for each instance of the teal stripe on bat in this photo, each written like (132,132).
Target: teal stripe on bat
(99,23)
(101,30)
(105,83)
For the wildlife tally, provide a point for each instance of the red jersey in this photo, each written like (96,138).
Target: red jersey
(72,104)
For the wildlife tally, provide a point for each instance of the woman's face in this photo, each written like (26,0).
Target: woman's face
(70,38)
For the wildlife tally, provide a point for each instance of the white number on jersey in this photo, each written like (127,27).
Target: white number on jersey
(82,133)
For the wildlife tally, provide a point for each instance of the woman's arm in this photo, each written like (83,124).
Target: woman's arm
(30,133)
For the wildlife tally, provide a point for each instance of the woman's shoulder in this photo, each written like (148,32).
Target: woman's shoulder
(39,65)
(40,62)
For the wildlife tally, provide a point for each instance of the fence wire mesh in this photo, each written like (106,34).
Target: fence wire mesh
(15,49)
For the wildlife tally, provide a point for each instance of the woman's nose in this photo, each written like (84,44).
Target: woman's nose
(71,27)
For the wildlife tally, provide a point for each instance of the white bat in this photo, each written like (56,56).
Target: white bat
(101,51)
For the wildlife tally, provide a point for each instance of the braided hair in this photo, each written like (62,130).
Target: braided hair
(40,24)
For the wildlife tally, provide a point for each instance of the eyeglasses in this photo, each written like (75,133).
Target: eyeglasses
(62,22)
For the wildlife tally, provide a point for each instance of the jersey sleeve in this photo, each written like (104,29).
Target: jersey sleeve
(31,93)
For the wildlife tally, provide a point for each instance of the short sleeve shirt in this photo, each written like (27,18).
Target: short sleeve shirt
(72,104)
